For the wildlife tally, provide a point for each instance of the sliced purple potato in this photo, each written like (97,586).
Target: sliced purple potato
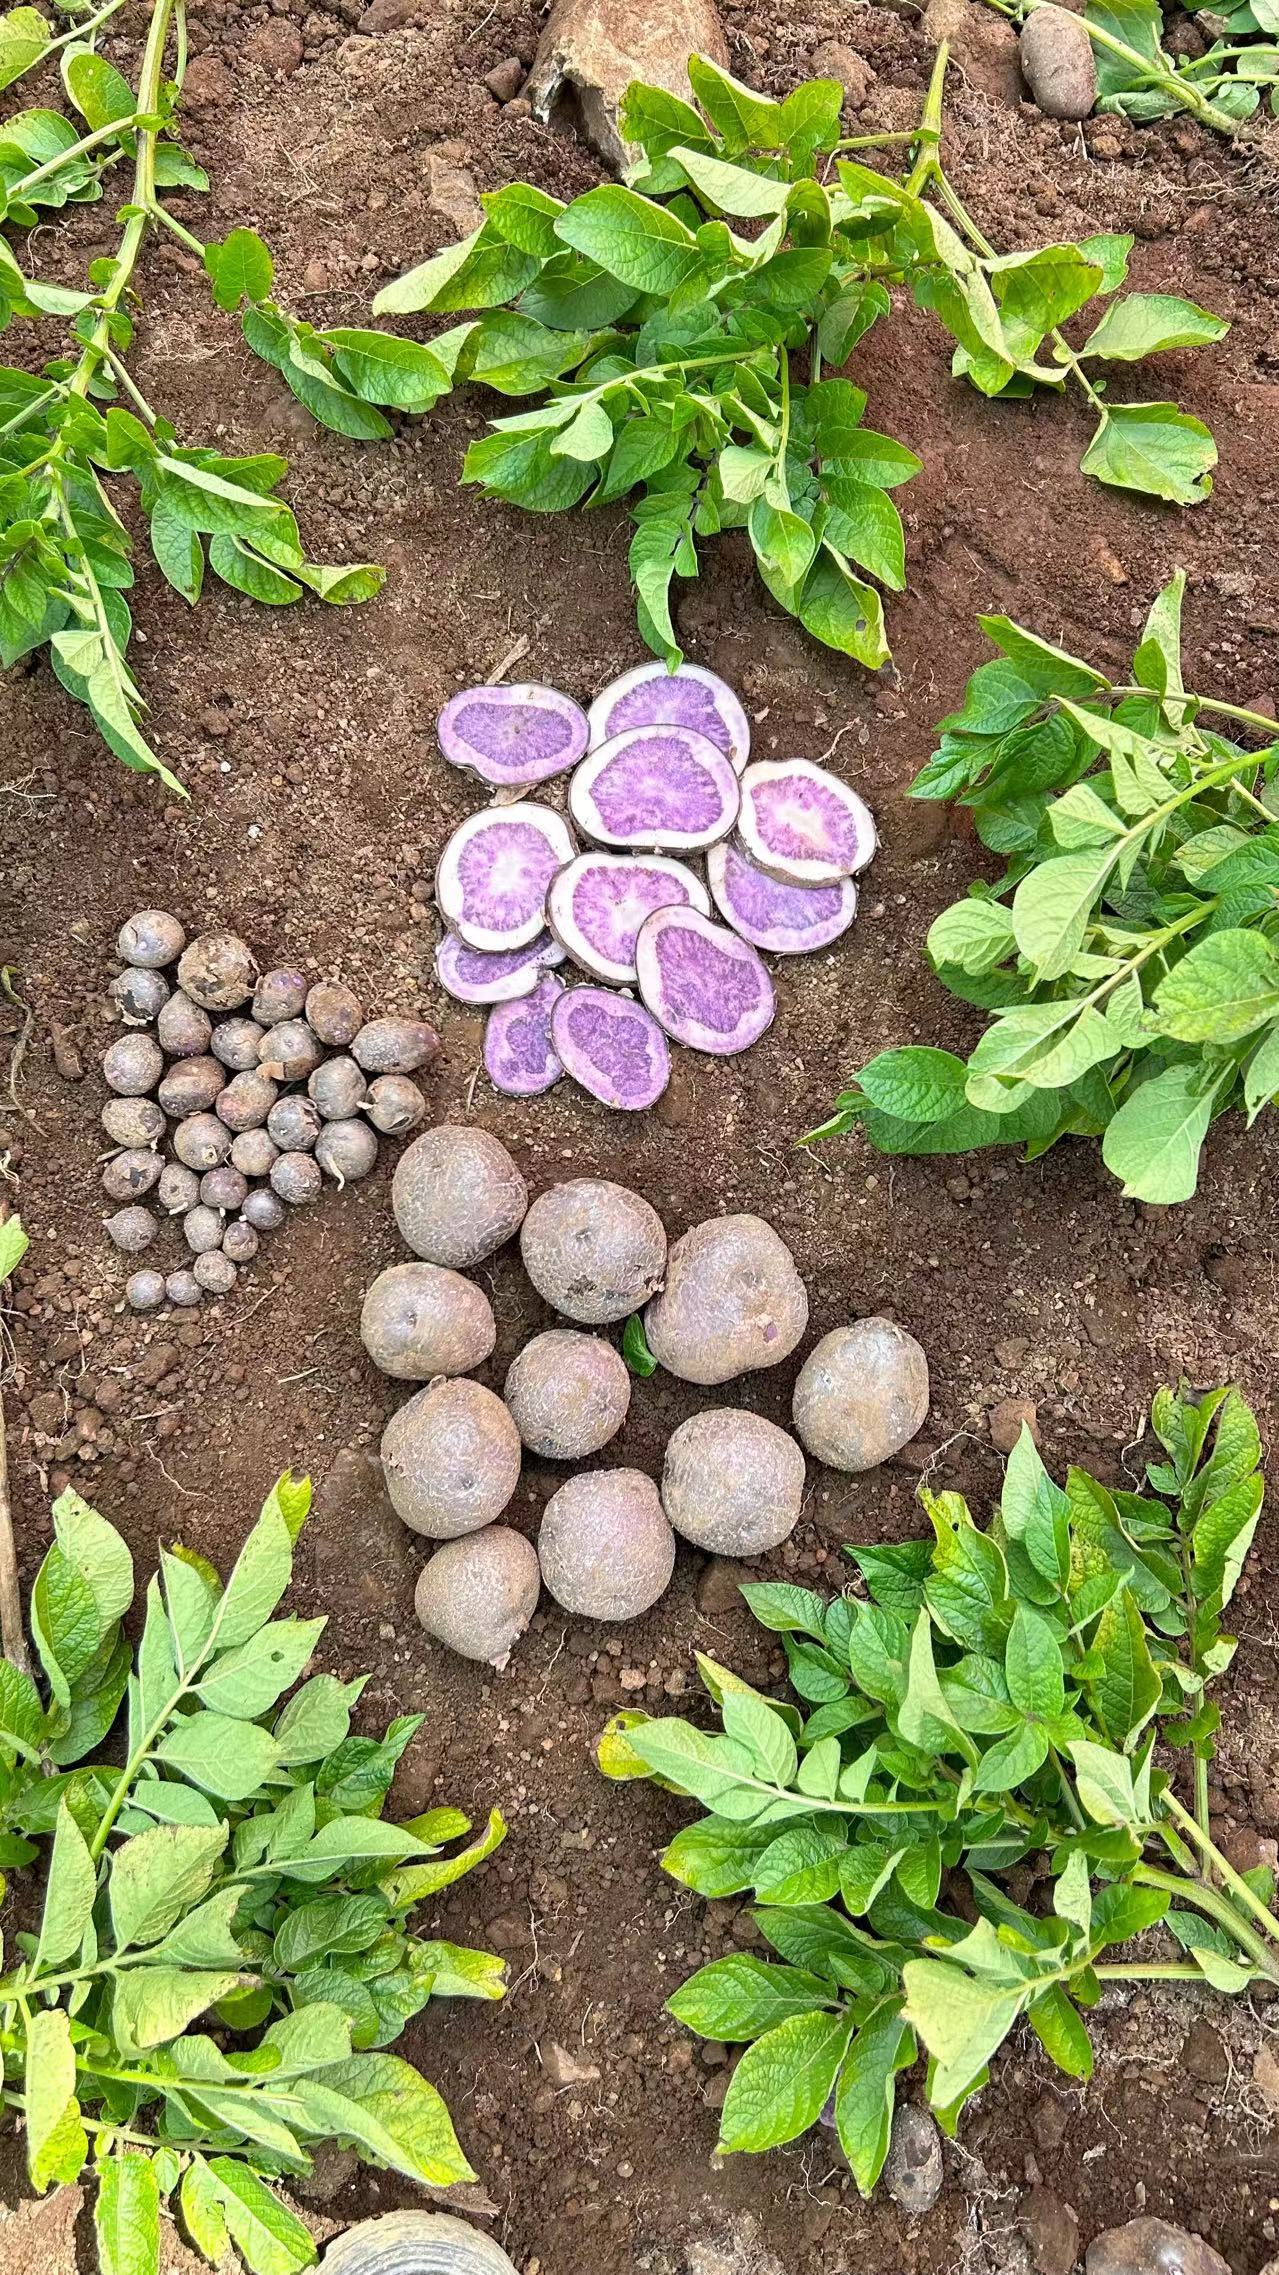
(704,984)
(494,871)
(652,696)
(478,975)
(612,1046)
(595,907)
(789,920)
(803,823)
(512,734)
(518,1054)
(654,789)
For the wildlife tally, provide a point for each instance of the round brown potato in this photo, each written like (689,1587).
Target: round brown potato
(133,1121)
(568,1393)
(394,1046)
(279,995)
(178,1188)
(214,1272)
(457,1195)
(237,1043)
(134,1229)
(732,1482)
(130,1174)
(218,970)
(246,1101)
(289,1052)
(861,1394)
(346,1150)
(478,1594)
(151,936)
(139,994)
(394,1105)
(202,1141)
(452,1459)
(337,1087)
(132,1065)
(192,1086)
(334,1013)
(733,1302)
(420,1321)
(605,1547)
(183,1030)
(594,1250)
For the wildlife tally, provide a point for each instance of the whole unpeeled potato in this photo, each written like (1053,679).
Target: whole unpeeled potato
(861,1394)
(732,1482)
(594,1250)
(457,1195)
(478,1594)
(605,1547)
(568,1394)
(733,1302)
(451,1458)
(419,1320)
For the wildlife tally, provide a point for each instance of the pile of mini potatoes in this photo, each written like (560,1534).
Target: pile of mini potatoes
(234,1093)
(659,772)
(724,1300)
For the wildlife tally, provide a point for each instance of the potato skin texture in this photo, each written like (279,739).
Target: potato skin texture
(457,1196)
(451,1457)
(568,1393)
(594,1250)
(732,1482)
(605,1547)
(419,1321)
(478,1594)
(861,1394)
(733,1302)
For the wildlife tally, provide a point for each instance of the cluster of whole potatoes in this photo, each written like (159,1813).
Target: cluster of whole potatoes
(234,1092)
(724,1300)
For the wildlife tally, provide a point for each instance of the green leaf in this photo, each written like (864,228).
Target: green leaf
(248,1680)
(961,2021)
(744,119)
(756,1726)
(240,268)
(157,1876)
(741,1997)
(1224,988)
(1105,1783)
(410,2114)
(525,217)
(56,2141)
(223,1756)
(781,2084)
(716,1859)
(65,1622)
(13,1239)
(126,2214)
(271,2238)
(1142,323)
(1052,907)
(261,1572)
(865,2091)
(95,87)
(1154,1142)
(481,271)
(152,2004)
(1153,448)
(98,1554)
(383,369)
(1033,1666)
(1042,668)
(418,1881)
(629,237)
(635,1348)
(69,1893)
(843,612)
(1127,1691)
(201,2203)
(1060,2030)
(24,36)
(316,1720)
(731,189)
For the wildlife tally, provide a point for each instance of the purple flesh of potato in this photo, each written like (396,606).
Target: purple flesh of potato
(512,734)
(652,696)
(804,824)
(473,975)
(789,920)
(518,1056)
(653,788)
(597,905)
(493,873)
(611,1046)
(706,986)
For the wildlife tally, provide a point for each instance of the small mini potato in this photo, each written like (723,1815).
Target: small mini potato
(237,1043)
(202,1230)
(133,1121)
(394,1046)
(132,1065)
(419,1321)
(202,1141)
(240,1241)
(224,1189)
(733,1483)
(568,1393)
(451,1458)
(337,1087)
(139,994)
(246,1102)
(457,1195)
(182,1287)
(192,1086)
(334,1013)
(253,1152)
(214,1272)
(218,970)
(594,1250)
(144,1291)
(132,1230)
(346,1150)
(294,1123)
(289,1052)
(182,1029)
(296,1178)
(478,1594)
(861,1394)
(264,1211)
(279,995)
(394,1105)
(178,1189)
(130,1174)
(605,1547)
(151,937)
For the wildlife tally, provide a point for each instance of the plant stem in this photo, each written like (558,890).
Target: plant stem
(1217,1907)
(150,83)
(927,134)
(1134,1971)
(1230,1879)
(1067,1790)
(108,133)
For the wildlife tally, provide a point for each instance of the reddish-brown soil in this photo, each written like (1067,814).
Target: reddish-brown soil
(318,808)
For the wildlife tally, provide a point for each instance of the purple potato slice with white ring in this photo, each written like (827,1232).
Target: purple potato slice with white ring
(519,1057)
(479,975)
(655,789)
(705,984)
(493,874)
(510,735)
(612,1047)
(801,822)
(690,697)
(595,907)
(788,920)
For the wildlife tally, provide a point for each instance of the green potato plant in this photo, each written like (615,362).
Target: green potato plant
(999,1699)
(238,1872)
(1127,955)
(1136,77)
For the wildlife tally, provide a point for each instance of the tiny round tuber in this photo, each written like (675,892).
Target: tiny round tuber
(289,1052)
(132,1065)
(419,1321)
(605,1547)
(334,1013)
(253,1152)
(733,1302)
(202,1229)
(178,1189)
(264,1211)
(478,1593)
(139,994)
(214,1272)
(202,1141)
(130,1174)
(151,937)
(394,1046)
(593,1249)
(732,1482)
(133,1230)
(182,1287)
(237,1043)
(568,1393)
(296,1178)
(182,1029)
(144,1291)
(337,1087)
(246,1102)
(294,1123)
(861,1394)
(224,1188)
(394,1105)
(192,1086)
(133,1121)
(457,1195)
(346,1150)
(218,970)
(279,995)
(240,1241)
(451,1458)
